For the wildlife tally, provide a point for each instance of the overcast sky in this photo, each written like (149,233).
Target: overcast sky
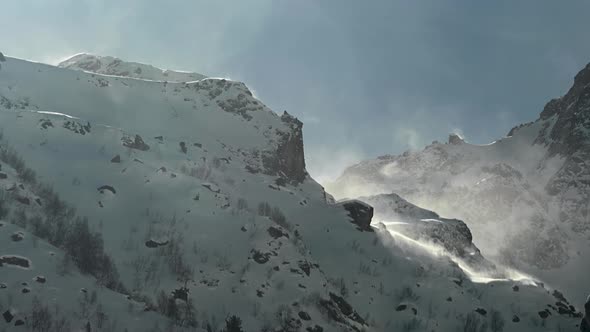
(366,77)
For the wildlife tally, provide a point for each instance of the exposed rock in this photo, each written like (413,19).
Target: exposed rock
(455,139)
(46,123)
(16,237)
(288,160)
(181,294)
(360,213)
(3,176)
(515,319)
(40,279)
(116,159)
(305,267)
(15,260)
(276,232)
(23,200)
(154,244)
(212,187)
(304,315)
(260,257)
(137,143)
(8,316)
(2,58)
(544,314)
(340,311)
(481,311)
(77,127)
(107,187)
(401,307)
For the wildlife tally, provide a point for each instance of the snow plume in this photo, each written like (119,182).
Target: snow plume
(501,273)
(326,164)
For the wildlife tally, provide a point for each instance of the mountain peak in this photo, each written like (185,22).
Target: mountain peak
(108,65)
(455,139)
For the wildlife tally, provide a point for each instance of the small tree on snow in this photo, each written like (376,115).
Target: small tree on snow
(496,321)
(233,324)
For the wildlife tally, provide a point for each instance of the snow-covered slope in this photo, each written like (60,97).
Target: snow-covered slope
(108,65)
(525,197)
(423,225)
(201,196)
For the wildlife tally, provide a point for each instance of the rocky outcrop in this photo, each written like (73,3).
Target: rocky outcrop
(455,139)
(288,160)
(360,213)
(136,143)
(421,224)
(340,311)
(572,111)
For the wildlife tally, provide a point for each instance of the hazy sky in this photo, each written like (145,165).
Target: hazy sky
(366,77)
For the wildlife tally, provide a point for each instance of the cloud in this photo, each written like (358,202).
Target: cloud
(325,163)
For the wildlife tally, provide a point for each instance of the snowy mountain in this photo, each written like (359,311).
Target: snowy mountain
(108,65)
(186,206)
(525,196)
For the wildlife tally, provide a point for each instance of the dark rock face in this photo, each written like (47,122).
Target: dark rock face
(137,143)
(2,58)
(116,159)
(16,237)
(181,294)
(77,127)
(305,267)
(276,232)
(401,307)
(338,310)
(8,316)
(573,116)
(288,161)
(455,139)
(360,213)
(107,187)
(155,244)
(544,314)
(260,257)
(15,260)
(304,315)
(3,176)
(23,200)
(481,311)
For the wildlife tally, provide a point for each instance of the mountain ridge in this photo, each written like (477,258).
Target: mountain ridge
(532,184)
